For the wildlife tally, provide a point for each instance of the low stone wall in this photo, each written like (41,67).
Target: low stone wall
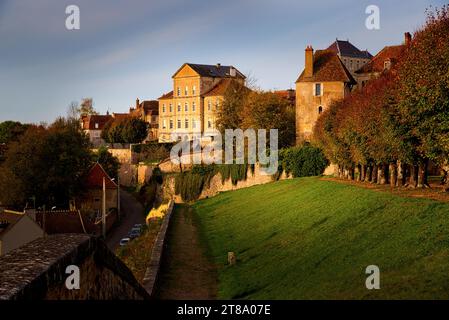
(216,186)
(152,271)
(36,271)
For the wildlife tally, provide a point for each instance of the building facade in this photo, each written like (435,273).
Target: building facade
(147,110)
(190,108)
(352,57)
(324,79)
(92,125)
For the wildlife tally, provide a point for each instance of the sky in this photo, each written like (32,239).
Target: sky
(128,49)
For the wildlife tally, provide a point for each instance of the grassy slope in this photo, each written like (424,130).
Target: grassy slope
(312,239)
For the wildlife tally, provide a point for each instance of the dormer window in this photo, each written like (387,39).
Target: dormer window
(387,65)
(96,125)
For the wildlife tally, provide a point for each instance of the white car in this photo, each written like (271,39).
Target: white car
(124,241)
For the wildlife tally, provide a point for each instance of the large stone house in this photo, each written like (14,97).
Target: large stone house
(352,57)
(16,230)
(190,108)
(325,78)
(92,125)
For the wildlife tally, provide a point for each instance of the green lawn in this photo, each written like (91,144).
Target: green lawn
(312,239)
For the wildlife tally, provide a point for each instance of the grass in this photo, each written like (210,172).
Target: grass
(312,239)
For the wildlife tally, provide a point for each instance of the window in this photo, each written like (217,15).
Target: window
(186,123)
(209,124)
(163,107)
(164,124)
(186,107)
(96,126)
(179,124)
(217,104)
(193,90)
(320,109)
(171,124)
(193,124)
(209,105)
(171,107)
(193,106)
(178,91)
(186,91)
(317,89)
(179,107)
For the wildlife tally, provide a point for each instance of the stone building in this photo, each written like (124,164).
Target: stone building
(92,125)
(324,79)
(196,96)
(352,57)
(16,230)
(382,62)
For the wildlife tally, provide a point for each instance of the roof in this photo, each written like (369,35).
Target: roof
(376,64)
(327,66)
(215,71)
(8,220)
(120,115)
(150,106)
(347,49)
(90,121)
(95,178)
(219,89)
(166,96)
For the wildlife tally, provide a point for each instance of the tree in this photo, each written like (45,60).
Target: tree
(228,116)
(86,107)
(11,131)
(109,163)
(46,163)
(126,130)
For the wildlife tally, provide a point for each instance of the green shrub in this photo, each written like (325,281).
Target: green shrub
(303,161)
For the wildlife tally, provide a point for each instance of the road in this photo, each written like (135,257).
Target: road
(132,213)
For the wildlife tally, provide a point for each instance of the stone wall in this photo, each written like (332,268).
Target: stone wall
(36,271)
(216,186)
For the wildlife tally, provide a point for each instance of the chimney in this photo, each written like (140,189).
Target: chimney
(408,38)
(218,65)
(308,69)
(137,103)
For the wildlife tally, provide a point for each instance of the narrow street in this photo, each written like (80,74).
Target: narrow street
(132,213)
(186,272)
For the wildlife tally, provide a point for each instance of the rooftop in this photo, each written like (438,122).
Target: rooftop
(391,53)
(215,71)
(95,178)
(347,49)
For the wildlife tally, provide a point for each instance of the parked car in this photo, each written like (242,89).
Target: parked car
(134,234)
(124,241)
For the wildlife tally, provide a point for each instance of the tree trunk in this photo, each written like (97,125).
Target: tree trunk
(413,176)
(422,174)
(374,173)
(359,172)
(445,180)
(352,173)
(393,174)
(382,174)
(402,174)
(363,172)
(369,173)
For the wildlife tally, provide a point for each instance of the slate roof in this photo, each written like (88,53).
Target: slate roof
(347,49)
(327,66)
(376,64)
(215,71)
(95,176)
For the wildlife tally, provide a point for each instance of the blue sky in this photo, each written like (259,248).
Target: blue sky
(130,48)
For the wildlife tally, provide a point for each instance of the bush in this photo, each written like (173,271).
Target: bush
(303,161)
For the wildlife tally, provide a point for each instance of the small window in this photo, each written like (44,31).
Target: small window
(193,124)
(186,91)
(164,124)
(209,105)
(96,126)
(209,124)
(179,107)
(186,123)
(171,124)
(317,89)
(193,106)
(193,90)
(163,108)
(320,109)
(178,91)
(186,107)
(171,107)
(179,124)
